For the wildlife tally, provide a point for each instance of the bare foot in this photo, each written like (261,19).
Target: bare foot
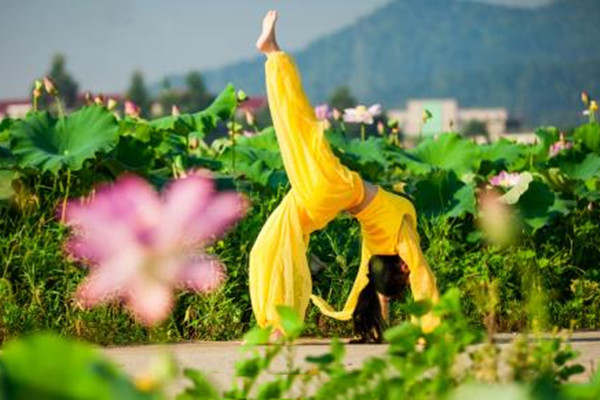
(266,43)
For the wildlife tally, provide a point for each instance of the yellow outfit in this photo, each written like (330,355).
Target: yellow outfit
(321,188)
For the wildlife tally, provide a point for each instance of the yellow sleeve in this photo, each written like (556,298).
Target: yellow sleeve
(422,280)
(359,283)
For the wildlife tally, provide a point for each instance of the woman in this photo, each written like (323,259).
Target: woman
(321,187)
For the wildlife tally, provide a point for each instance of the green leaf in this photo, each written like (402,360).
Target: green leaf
(535,205)
(257,336)
(270,390)
(465,202)
(440,193)
(45,143)
(586,169)
(589,135)
(48,367)
(510,391)
(502,152)
(202,389)
(6,189)
(291,322)
(449,152)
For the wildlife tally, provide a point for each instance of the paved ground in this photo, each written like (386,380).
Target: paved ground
(217,359)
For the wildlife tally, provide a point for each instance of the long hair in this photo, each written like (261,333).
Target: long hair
(388,275)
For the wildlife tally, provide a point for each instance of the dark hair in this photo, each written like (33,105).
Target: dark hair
(388,275)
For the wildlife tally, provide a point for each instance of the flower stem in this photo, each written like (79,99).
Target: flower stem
(59,106)
(362,132)
(64,203)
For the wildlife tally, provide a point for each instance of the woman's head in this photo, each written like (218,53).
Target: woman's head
(389,274)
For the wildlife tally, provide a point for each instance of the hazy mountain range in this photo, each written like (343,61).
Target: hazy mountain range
(532,60)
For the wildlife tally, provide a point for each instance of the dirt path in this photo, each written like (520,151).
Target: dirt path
(217,359)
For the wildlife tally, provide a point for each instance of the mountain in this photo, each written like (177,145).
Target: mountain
(533,61)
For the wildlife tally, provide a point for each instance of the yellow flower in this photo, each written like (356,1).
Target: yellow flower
(593,106)
(145,384)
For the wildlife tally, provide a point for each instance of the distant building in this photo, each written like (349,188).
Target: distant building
(14,108)
(447,116)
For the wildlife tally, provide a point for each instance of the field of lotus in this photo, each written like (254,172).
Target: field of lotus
(100,199)
(489,213)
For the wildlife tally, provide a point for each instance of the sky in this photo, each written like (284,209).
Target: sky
(106,40)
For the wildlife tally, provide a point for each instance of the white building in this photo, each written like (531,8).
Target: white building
(14,108)
(446,116)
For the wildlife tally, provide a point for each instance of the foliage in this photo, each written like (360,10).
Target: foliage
(417,365)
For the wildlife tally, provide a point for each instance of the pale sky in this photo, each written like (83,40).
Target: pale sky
(105,40)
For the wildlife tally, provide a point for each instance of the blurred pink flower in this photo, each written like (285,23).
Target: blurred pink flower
(323,112)
(505,180)
(249,133)
(131,109)
(141,244)
(559,146)
(175,111)
(362,114)
(496,219)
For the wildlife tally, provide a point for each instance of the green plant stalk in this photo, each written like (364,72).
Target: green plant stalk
(59,106)
(362,132)
(66,197)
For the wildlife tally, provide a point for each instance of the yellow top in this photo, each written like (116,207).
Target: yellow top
(321,188)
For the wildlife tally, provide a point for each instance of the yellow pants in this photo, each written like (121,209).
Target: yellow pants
(321,188)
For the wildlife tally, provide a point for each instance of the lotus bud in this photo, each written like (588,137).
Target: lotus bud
(585,98)
(50,86)
(111,104)
(241,96)
(37,93)
(194,143)
(249,118)
(590,206)
(392,123)
(380,128)
(99,100)
(38,84)
(87,97)
(175,111)
(593,106)
(337,114)
(131,109)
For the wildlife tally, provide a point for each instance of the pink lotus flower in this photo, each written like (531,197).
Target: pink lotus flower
(362,114)
(131,109)
(175,111)
(140,245)
(323,112)
(559,146)
(505,180)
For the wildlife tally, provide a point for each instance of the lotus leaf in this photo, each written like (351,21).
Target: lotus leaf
(589,135)
(46,143)
(449,152)
(536,205)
